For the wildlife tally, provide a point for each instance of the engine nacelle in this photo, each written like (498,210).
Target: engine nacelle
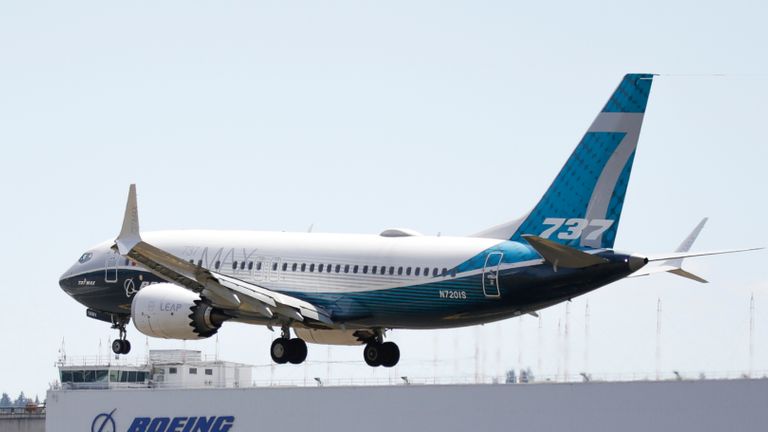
(328,337)
(169,311)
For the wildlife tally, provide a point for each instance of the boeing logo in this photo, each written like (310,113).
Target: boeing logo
(105,422)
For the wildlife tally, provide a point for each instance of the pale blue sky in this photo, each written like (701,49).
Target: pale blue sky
(442,116)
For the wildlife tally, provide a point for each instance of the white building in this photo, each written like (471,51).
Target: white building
(165,369)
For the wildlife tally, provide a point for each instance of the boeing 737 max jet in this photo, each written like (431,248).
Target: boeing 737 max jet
(350,289)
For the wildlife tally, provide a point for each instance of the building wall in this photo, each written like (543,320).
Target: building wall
(639,406)
(33,423)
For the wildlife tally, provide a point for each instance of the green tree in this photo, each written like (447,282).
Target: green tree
(21,400)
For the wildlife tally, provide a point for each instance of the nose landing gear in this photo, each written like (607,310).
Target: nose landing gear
(121,345)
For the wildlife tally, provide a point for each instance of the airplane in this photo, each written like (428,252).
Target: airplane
(350,289)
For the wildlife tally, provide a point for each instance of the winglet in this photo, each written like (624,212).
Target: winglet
(560,255)
(129,235)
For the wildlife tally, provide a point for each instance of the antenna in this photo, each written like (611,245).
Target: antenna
(477,354)
(566,350)
(62,354)
(499,339)
(434,351)
(559,346)
(751,332)
(455,354)
(586,338)
(658,339)
(520,342)
(541,345)
(217,347)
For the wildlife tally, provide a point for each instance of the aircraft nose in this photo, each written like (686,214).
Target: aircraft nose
(66,278)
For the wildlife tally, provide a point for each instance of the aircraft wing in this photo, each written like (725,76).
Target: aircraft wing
(224,291)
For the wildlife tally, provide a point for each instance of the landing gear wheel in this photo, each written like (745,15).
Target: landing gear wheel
(372,354)
(391,354)
(297,349)
(121,346)
(280,350)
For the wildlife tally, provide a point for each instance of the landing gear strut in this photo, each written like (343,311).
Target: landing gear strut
(287,350)
(121,345)
(379,353)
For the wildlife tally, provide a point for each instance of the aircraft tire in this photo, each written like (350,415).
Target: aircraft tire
(117,346)
(372,354)
(391,354)
(280,350)
(126,347)
(297,350)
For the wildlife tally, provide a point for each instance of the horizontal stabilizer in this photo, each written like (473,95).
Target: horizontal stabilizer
(560,255)
(687,274)
(673,256)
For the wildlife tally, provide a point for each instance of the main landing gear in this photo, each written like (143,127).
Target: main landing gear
(288,350)
(121,345)
(378,353)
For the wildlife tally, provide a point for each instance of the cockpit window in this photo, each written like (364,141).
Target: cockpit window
(85,258)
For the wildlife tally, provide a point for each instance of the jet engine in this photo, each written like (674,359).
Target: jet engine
(169,311)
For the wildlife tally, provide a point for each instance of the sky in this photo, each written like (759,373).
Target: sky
(355,116)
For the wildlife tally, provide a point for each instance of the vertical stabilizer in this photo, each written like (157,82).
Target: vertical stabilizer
(583,205)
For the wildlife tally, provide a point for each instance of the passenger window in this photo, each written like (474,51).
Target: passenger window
(234,265)
(391,270)
(311,267)
(218,263)
(453,272)
(285,266)
(399,271)
(416,272)
(294,266)
(303,267)
(242,265)
(199,263)
(250,265)
(320,268)
(354,269)
(346,268)
(434,272)
(373,270)
(383,270)
(408,271)
(258,266)
(445,271)
(426,271)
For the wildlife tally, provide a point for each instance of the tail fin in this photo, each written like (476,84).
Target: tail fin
(583,205)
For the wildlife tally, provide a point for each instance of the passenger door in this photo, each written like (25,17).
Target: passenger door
(491,274)
(110,268)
